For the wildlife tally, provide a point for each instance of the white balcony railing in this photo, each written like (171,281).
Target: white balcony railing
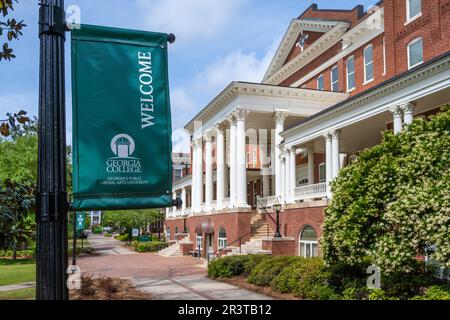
(311,191)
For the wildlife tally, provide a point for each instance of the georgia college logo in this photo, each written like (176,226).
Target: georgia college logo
(123,146)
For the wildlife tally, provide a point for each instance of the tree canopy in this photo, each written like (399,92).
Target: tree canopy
(126,220)
(393,204)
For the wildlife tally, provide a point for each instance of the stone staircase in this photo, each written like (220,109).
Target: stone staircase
(174,250)
(260,230)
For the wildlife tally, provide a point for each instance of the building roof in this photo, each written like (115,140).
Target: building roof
(359,95)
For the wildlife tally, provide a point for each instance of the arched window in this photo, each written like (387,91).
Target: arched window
(351,84)
(168,233)
(176,230)
(308,243)
(222,241)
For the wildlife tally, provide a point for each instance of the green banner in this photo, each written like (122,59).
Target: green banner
(121,119)
(81,221)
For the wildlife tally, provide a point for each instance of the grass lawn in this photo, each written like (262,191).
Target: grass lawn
(17,272)
(23,294)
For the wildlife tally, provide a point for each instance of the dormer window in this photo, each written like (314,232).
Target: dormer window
(413,9)
(320,83)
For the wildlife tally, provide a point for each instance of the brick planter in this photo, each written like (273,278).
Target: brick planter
(280,246)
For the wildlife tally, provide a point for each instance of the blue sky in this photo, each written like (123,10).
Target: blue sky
(218,41)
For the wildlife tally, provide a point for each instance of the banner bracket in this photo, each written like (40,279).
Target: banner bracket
(52,20)
(47,202)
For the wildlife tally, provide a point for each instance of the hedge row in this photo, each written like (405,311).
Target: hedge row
(311,279)
(20,253)
(148,246)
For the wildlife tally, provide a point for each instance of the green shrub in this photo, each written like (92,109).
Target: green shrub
(227,267)
(435,293)
(379,294)
(406,285)
(265,271)
(107,235)
(148,246)
(98,230)
(354,293)
(306,278)
(123,237)
(253,260)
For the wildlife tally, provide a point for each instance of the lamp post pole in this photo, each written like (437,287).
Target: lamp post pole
(51,203)
(277,207)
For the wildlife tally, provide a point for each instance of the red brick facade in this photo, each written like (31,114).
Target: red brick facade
(433,26)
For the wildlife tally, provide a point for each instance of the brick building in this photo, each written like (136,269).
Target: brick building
(337,81)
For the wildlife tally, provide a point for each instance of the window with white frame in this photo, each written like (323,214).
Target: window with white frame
(413,9)
(415,53)
(335,79)
(199,241)
(222,240)
(368,63)
(384,56)
(308,243)
(350,73)
(320,83)
(302,175)
(322,172)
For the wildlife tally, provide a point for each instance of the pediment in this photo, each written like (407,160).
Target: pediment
(289,48)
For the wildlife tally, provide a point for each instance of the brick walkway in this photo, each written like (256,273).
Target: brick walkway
(180,278)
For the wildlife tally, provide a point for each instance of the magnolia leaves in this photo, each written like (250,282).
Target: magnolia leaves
(13,122)
(12,28)
(6,5)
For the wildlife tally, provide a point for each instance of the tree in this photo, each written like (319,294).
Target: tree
(11,27)
(393,204)
(16,219)
(124,221)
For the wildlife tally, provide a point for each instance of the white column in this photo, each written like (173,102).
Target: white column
(174,196)
(310,166)
(335,153)
(328,160)
(408,113)
(208,172)
(199,174)
(293,173)
(183,200)
(241,116)
(266,182)
(280,117)
(233,160)
(220,166)
(287,180)
(194,184)
(397,114)
(283,179)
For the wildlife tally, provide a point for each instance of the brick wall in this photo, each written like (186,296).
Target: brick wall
(433,26)
(236,226)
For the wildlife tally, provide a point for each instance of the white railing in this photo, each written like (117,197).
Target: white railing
(311,191)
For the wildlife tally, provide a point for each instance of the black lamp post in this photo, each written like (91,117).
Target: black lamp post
(277,208)
(52,203)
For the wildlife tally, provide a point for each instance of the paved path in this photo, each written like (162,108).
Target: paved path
(108,246)
(20,286)
(173,278)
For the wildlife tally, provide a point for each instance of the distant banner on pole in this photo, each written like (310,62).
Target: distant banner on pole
(81,221)
(121,119)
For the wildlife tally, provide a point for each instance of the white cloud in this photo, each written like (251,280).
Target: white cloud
(16,102)
(180,100)
(181,141)
(189,19)
(236,66)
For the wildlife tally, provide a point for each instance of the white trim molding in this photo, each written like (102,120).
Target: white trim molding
(414,85)
(322,44)
(296,27)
